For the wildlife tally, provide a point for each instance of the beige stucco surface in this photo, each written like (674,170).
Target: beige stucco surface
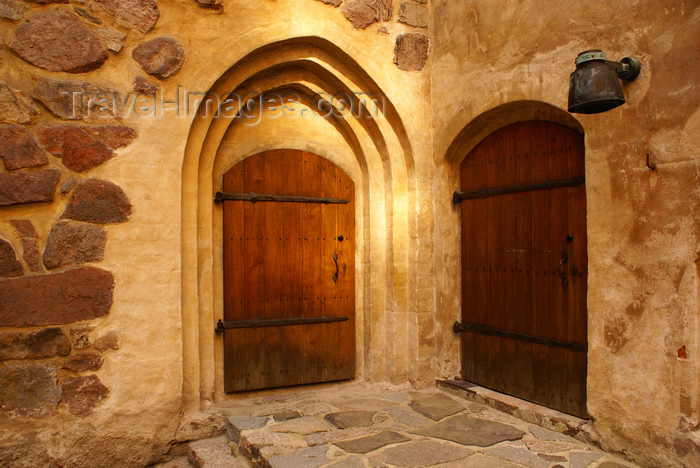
(643,225)
(491,63)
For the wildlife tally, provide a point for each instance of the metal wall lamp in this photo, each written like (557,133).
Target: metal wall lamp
(594,86)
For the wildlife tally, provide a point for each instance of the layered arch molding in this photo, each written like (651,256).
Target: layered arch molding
(336,110)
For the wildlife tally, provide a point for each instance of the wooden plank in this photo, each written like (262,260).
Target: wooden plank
(578,281)
(476,309)
(494,288)
(522,269)
(312,270)
(346,280)
(558,221)
(292,285)
(541,262)
(508,258)
(275,178)
(254,264)
(330,273)
(480,287)
(234,278)
(469,268)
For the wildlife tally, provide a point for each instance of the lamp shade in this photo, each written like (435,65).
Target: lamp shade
(594,86)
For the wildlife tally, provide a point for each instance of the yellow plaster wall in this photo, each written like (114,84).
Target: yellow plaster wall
(490,61)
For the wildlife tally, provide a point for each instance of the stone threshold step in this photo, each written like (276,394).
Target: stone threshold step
(215,452)
(581,429)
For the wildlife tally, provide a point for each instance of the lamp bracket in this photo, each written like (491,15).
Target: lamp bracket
(627,68)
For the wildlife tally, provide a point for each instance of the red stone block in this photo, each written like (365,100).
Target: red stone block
(48,40)
(83,362)
(160,57)
(78,150)
(411,51)
(45,343)
(18,148)
(29,390)
(9,265)
(98,201)
(80,294)
(143,14)
(114,136)
(24,227)
(28,187)
(82,394)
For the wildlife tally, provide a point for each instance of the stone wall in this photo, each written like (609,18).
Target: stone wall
(110,258)
(55,335)
(70,354)
(511,61)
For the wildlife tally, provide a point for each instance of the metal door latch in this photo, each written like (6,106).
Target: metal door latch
(562,269)
(337,269)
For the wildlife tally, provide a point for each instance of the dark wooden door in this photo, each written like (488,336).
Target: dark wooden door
(524,265)
(289,274)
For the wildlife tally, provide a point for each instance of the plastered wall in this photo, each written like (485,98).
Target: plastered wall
(490,61)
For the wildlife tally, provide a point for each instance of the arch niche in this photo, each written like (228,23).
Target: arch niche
(520,212)
(371,146)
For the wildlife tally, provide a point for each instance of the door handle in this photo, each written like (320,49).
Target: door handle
(562,269)
(337,269)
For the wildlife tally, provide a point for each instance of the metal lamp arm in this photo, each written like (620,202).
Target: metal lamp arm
(627,68)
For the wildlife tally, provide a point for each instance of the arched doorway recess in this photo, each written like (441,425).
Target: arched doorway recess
(524,264)
(372,148)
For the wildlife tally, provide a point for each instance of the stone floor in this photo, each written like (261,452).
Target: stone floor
(356,425)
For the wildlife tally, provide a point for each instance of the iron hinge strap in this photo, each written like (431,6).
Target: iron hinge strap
(488,331)
(282,322)
(264,197)
(490,192)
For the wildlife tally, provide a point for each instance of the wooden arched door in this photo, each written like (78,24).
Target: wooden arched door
(524,265)
(289,274)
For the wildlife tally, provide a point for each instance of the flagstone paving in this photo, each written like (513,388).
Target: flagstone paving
(348,419)
(467,430)
(285,416)
(420,453)
(435,406)
(373,442)
(304,425)
(357,425)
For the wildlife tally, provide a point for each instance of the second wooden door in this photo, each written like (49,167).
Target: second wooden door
(524,265)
